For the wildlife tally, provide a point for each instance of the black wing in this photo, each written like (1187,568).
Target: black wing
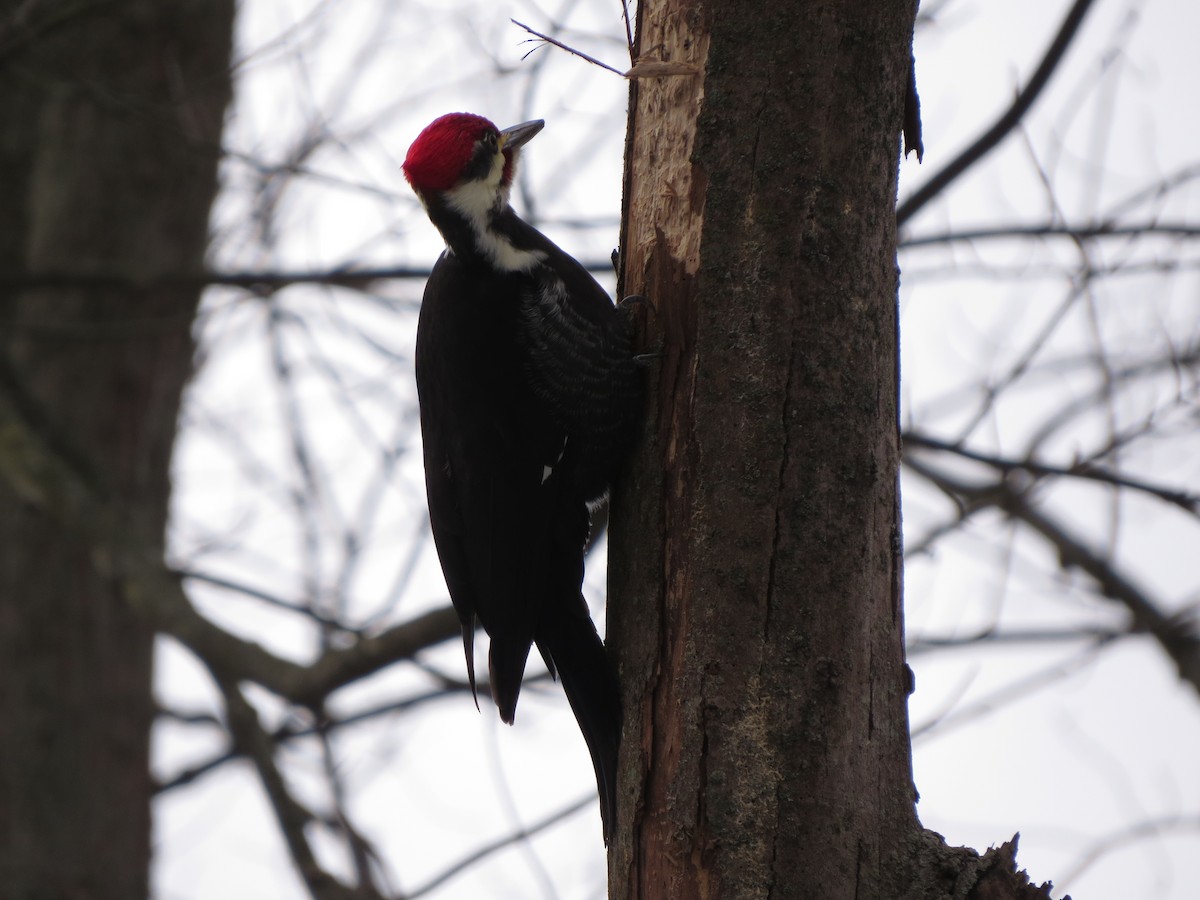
(580,359)
(510,459)
(487,446)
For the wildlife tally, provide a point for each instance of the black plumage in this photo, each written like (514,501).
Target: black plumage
(530,397)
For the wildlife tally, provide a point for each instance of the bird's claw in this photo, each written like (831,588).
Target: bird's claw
(634,300)
(644,359)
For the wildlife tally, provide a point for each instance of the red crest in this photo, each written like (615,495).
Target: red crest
(438,156)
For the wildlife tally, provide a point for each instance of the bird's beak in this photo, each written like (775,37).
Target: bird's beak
(519,135)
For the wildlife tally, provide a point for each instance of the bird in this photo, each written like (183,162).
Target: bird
(530,398)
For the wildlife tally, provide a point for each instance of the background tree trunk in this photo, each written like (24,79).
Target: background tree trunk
(107,165)
(756,574)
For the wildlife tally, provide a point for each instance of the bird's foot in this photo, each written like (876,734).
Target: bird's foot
(636,300)
(644,359)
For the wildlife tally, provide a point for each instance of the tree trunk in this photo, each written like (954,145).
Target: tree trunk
(107,165)
(756,575)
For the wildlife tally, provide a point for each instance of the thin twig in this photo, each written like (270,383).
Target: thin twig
(251,740)
(1005,695)
(1083,469)
(628,30)
(1074,233)
(259,594)
(1151,828)
(488,849)
(264,282)
(1003,125)
(361,851)
(561,46)
(1176,635)
(919,644)
(289,732)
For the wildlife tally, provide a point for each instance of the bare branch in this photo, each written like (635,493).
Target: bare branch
(488,849)
(134,561)
(306,610)
(1006,695)
(260,282)
(1073,233)
(361,851)
(1177,636)
(1150,828)
(628,30)
(251,740)
(1082,469)
(919,644)
(561,46)
(289,732)
(1003,125)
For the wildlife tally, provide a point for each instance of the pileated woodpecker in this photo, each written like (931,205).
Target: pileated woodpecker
(530,397)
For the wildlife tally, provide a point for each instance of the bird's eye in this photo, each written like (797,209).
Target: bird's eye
(489,139)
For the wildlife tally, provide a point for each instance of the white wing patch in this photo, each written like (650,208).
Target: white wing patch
(547,471)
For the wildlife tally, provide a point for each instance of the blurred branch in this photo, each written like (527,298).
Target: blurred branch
(361,850)
(1177,636)
(507,841)
(1009,693)
(304,685)
(1032,272)
(133,560)
(628,31)
(927,643)
(290,732)
(187,718)
(311,499)
(1074,233)
(1024,361)
(305,610)
(117,280)
(1155,191)
(1150,828)
(1008,120)
(1083,469)
(266,282)
(339,667)
(195,772)
(251,740)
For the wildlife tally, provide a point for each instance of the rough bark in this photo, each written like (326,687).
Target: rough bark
(107,164)
(755,574)
(766,751)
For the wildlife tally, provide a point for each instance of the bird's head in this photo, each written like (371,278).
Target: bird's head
(466,158)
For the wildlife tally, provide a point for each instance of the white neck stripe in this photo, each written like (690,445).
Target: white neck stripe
(477,201)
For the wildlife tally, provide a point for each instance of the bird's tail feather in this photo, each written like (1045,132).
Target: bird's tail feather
(570,642)
(506,668)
